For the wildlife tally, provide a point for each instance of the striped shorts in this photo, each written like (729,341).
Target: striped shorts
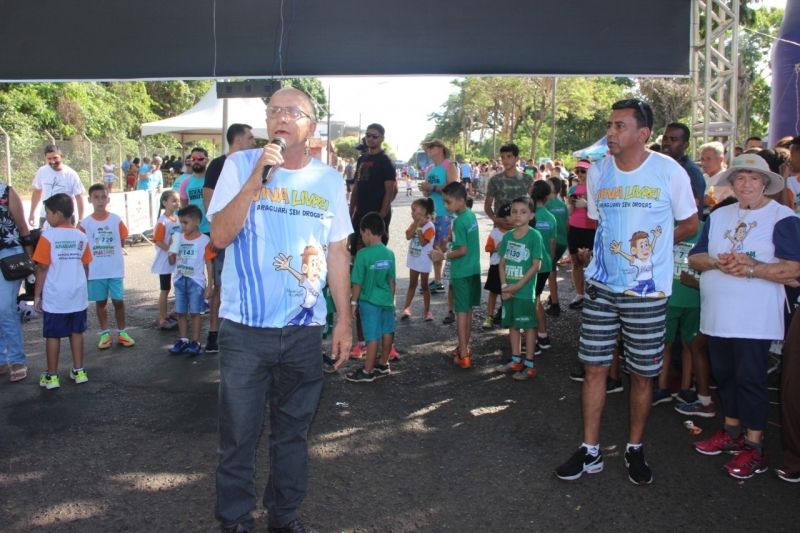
(643,323)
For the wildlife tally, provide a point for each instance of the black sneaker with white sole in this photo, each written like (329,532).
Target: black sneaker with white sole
(613,385)
(579,375)
(328,364)
(360,376)
(381,371)
(638,470)
(580,462)
(544,342)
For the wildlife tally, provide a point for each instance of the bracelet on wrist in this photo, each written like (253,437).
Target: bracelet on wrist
(503,285)
(353,302)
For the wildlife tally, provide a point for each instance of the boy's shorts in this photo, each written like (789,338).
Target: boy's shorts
(466,293)
(189,296)
(60,325)
(100,289)
(443,226)
(519,313)
(375,321)
(560,249)
(689,320)
(493,284)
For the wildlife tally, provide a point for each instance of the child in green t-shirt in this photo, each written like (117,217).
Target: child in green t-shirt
(373,280)
(465,267)
(521,255)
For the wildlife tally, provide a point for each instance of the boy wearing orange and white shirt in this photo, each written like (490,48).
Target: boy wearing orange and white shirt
(62,258)
(106,233)
(191,252)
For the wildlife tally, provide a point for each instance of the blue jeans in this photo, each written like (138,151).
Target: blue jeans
(10,325)
(282,365)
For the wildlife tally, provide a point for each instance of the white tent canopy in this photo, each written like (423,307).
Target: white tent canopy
(204,120)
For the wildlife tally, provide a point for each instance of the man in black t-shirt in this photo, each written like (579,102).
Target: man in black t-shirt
(374,187)
(240,137)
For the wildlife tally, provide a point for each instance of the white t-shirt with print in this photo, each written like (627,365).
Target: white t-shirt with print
(66,250)
(191,259)
(163,231)
(637,202)
(296,210)
(106,237)
(53,182)
(417,258)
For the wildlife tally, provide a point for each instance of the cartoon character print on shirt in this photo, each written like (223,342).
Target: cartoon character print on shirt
(641,259)
(739,235)
(309,281)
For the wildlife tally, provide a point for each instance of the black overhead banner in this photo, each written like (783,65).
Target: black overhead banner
(182,39)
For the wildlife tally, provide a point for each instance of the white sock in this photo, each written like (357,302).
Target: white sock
(185,339)
(592,450)
(633,447)
(541,335)
(705,400)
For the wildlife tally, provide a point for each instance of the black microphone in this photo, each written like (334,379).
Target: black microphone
(265,173)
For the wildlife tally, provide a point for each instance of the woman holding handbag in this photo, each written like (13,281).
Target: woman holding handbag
(16,264)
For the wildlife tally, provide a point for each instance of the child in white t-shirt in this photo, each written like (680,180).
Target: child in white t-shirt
(62,258)
(191,252)
(420,235)
(106,232)
(166,226)
(493,278)
(407,178)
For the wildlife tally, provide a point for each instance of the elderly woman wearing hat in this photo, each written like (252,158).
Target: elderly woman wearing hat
(745,252)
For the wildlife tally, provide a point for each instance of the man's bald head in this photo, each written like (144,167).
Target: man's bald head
(290,95)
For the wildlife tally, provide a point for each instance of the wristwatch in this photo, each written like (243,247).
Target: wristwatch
(749,272)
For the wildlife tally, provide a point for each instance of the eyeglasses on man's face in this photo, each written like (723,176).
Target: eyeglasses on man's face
(291,112)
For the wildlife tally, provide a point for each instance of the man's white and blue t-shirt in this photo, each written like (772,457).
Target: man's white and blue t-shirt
(635,213)
(276,267)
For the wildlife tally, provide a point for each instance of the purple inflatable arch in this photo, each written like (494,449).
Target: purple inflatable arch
(785,101)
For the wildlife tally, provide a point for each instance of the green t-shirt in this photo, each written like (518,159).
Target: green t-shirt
(465,233)
(683,296)
(547,227)
(374,267)
(559,210)
(504,189)
(520,255)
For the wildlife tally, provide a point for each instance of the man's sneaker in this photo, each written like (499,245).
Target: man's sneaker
(212,345)
(747,463)
(327,363)
(488,323)
(105,341)
(576,302)
(509,366)
(79,376)
(789,475)
(613,385)
(358,351)
(449,318)
(526,373)
(233,528)
(661,396)
(638,470)
(393,355)
(381,371)
(578,375)
(553,310)
(428,316)
(295,526)
(580,462)
(124,339)
(49,382)
(359,376)
(686,396)
(435,287)
(464,362)
(696,409)
(719,442)
(544,342)
(194,348)
(179,346)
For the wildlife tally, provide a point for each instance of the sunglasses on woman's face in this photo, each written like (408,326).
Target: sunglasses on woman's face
(580,171)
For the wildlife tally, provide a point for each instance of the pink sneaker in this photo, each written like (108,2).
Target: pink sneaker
(719,442)
(747,463)
(406,314)
(393,355)
(428,316)
(358,351)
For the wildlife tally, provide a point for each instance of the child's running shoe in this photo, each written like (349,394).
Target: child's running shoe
(393,355)
(488,323)
(381,371)
(79,376)
(543,343)
(359,375)
(49,382)
(179,347)
(435,287)
(526,373)
(406,314)
(428,316)
(509,366)
(455,354)
(167,323)
(464,362)
(212,344)
(449,318)
(327,364)
(105,341)
(358,351)
(194,348)
(124,339)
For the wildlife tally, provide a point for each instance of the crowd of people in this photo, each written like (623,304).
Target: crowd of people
(664,254)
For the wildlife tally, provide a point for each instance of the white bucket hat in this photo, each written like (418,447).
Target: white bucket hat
(774,183)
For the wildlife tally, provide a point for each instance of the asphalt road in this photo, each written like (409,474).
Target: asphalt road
(430,448)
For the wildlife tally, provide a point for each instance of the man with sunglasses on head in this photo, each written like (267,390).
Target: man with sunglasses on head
(286,238)
(636,196)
